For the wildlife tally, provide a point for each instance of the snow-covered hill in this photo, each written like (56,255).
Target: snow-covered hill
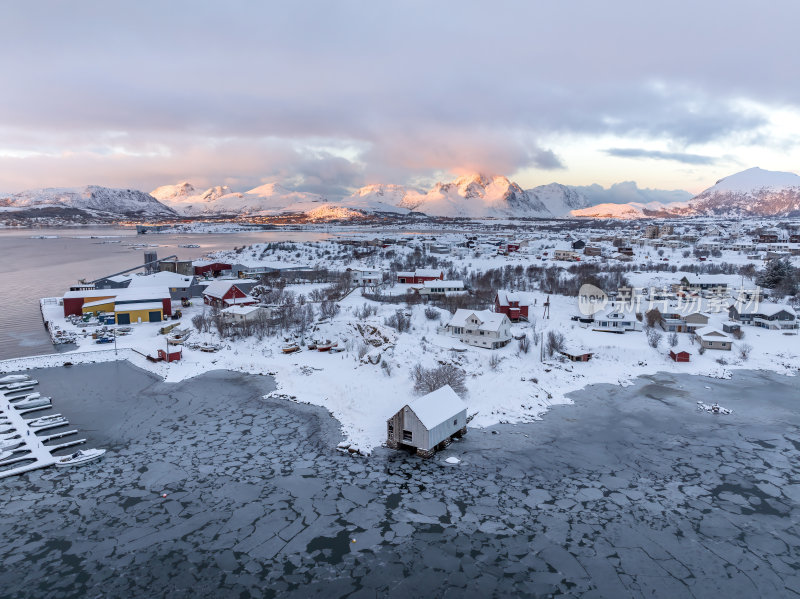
(90,202)
(753,192)
(477,196)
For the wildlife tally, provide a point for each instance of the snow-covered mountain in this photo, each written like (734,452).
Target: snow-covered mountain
(263,200)
(91,203)
(630,210)
(559,199)
(476,196)
(753,192)
(380,197)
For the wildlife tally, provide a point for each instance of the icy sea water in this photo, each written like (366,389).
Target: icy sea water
(628,493)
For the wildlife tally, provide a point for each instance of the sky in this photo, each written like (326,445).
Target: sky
(329,96)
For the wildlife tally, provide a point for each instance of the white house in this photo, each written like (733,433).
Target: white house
(364,277)
(615,321)
(481,328)
(437,287)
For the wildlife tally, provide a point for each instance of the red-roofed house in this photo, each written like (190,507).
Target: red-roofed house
(420,275)
(225,293)
(512,305)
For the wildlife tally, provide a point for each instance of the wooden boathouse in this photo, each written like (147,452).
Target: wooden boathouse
(428,423)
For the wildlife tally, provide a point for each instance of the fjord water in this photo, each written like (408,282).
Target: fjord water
(210,490)
(33,268)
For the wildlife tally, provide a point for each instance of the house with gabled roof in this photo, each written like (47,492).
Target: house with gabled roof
(711,338)
(224,293)
(428,423)
(481,328)
(512,305)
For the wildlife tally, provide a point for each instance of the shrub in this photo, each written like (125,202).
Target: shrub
(673,339)
(738,334)
(427,380)
(432,313)
(524,344)
(398,321)
(494,361)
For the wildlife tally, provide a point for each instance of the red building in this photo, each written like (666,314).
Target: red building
(420,275)
(512,305)
(172,356)
(681,356)
(225,293)
(213,269)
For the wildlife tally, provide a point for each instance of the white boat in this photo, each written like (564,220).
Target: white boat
(28,396)
(189,245)
(10,444)
(21,385)
(37,402)
(13,378)
(81,456)
(47,421)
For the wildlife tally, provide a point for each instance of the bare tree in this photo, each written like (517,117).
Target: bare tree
(427,380)
(744,351)
(494,361)
(524,344)
(653,337)
(555,343)
(432,313)
(328,309)
(653,317)
(399,321)
(673,339)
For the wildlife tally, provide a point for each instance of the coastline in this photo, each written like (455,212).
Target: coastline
(361,435)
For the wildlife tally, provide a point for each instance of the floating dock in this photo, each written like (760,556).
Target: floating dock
(32,454)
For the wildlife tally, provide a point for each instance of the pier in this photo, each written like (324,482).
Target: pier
(32,453)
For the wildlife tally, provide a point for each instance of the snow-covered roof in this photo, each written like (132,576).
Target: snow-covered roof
(489,321)
(219,288)
(439,283)
(428,272)
(207,262)
(766,308)
(168,279)
(506,297)
(436,407)
(123,294)
(711,332)
(120,278)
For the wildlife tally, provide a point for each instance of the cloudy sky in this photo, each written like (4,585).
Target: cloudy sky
(327,96)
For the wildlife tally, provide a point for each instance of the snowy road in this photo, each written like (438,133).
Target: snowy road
(628,492)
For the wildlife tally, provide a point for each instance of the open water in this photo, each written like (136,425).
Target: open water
(630,492)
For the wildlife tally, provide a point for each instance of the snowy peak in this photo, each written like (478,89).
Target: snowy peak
(477,195)
(754,179)
(752,192)
(170,192)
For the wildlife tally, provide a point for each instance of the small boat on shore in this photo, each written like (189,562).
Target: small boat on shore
(178,337)
(81,457)
(188,245)
(290,349)
(326,345)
